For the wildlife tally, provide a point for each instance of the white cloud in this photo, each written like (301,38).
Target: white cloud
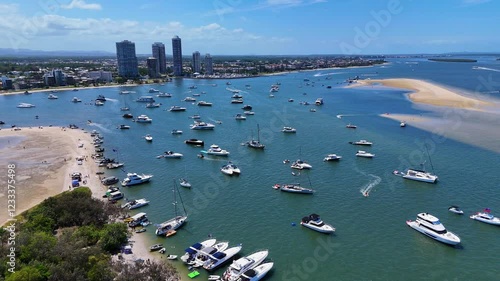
(268,4)
(81,4)
(473,2)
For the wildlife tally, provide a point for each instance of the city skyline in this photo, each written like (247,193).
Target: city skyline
(264,27)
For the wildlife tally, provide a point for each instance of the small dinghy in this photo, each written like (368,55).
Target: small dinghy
(456,210)
(214,277)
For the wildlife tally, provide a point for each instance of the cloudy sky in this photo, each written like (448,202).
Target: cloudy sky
(260,27)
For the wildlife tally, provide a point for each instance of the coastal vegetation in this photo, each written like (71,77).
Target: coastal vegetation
(74,236)
(452,60)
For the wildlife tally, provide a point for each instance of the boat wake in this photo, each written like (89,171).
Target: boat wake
(100,126)
(111,100)
(485,68)
(366,189)
(326,74)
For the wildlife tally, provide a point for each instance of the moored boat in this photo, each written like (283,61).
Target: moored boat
(257,273)
(486,217)
(314,222)
(241,265)
(293,188)
(362,153)
(456,210)
(430,226)
(135,179)
(332,157)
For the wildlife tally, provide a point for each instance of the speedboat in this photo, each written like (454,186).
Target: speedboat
(156,247)
(153,105)
(237,96)
(143,119)
(194,142)
(52,97)
(214,278)
(196,116)
(486,217)
(114,165)
(290,100)
(148,99)
(124,108)
(189,99)
(420,175)
(351,126)
(25,105)
(241,265)
(249,113)
(431,226)
(202,126)
(75,100)
(127,115)
(257,273)
(98,103)
(153,90)
(148,137)
(184,183)
(176,132)
(124,127)
(195,248)
(240,117)
(236,101)
(134,179)
(216,150)
(170,154)
(134,204)
(361,142)
(204,103)
(219,258)
(230,169)
(202,256)
(177,108)
(319,101)
(332,157)
(293,188)
(456,210)
(100,98)
(362,153)
(247,107)
(314,222)
(289,130)
(300,165)
(402,124)
(170,225)
(164,95)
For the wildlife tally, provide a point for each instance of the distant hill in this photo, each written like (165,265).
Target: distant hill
(4,52)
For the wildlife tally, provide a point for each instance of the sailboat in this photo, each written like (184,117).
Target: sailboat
(169,227)
(421,174)
(256,143)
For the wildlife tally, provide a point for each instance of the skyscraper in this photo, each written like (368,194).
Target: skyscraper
(196,62)
(127,61)
(152,63)
(159,54)
(177,54)
(209,69)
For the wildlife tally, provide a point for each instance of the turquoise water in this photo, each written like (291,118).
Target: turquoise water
(372,241)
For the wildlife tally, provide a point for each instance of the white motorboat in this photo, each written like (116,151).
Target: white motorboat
(314,222)
(237,96)
(153,90)
(431,226)
(319,101)
(420,175)
(196,142)
(361,142)
(237,101)
(216,150)
(143,119)
(52,97)
(456,210)
(293,188)
(486,217)
(351,126)
(300,165)
(196,116)
(240,117)
(75,100)
(170,154)
(230,169)
(362,153)
(202,126)
(176,132)
(257,273)
(289,130)
(135,179)
(124,127)
(134,204)
(171,257)
(184,183)
(148,137)
(249,113)
(241,265)
(98,103)
(332,157)
(170,226)
(219,258)
(114,165)
(153,105)
(189,99)
(25,105)
(204,103)
(213,277)
(164,95)
(177,108)
(148,99)
(193,250)
(202,256)
(402,124)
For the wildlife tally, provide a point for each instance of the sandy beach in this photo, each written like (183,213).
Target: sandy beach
(427,93)
(34,91)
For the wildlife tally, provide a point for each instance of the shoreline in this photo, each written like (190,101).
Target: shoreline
(34,91)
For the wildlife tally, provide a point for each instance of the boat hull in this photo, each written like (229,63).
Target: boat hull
(448,238)
(327,230)
(495,221)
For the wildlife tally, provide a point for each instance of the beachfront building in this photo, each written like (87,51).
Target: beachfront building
(209,68)
(55,78)
(161,57)
(153,69)
(101,76)
(196,62)
(6,83)
(177,55)
(127,60)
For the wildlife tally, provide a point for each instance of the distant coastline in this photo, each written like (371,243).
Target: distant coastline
(452,60)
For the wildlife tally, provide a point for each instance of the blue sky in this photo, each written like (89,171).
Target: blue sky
(260,27)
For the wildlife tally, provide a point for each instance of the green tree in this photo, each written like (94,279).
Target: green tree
(113,237)
(39,247)
(99,269)
(27,273)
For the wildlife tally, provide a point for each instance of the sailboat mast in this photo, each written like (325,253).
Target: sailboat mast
(258,133)
(430,161)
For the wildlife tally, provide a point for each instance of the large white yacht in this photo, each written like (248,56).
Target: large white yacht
(52,97)
(25,105)
(170,154)
(300,165)
(361,142)
(177,108)
(362,153)
(332,157)
(143,119)
(219,258)
(420,175)
(202,126)
(257,273)
(134,179)
(203,255)
(486,217)
(134,204)
(314,222)
(241,265)
(193,250)
(431,226)
(216,150)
